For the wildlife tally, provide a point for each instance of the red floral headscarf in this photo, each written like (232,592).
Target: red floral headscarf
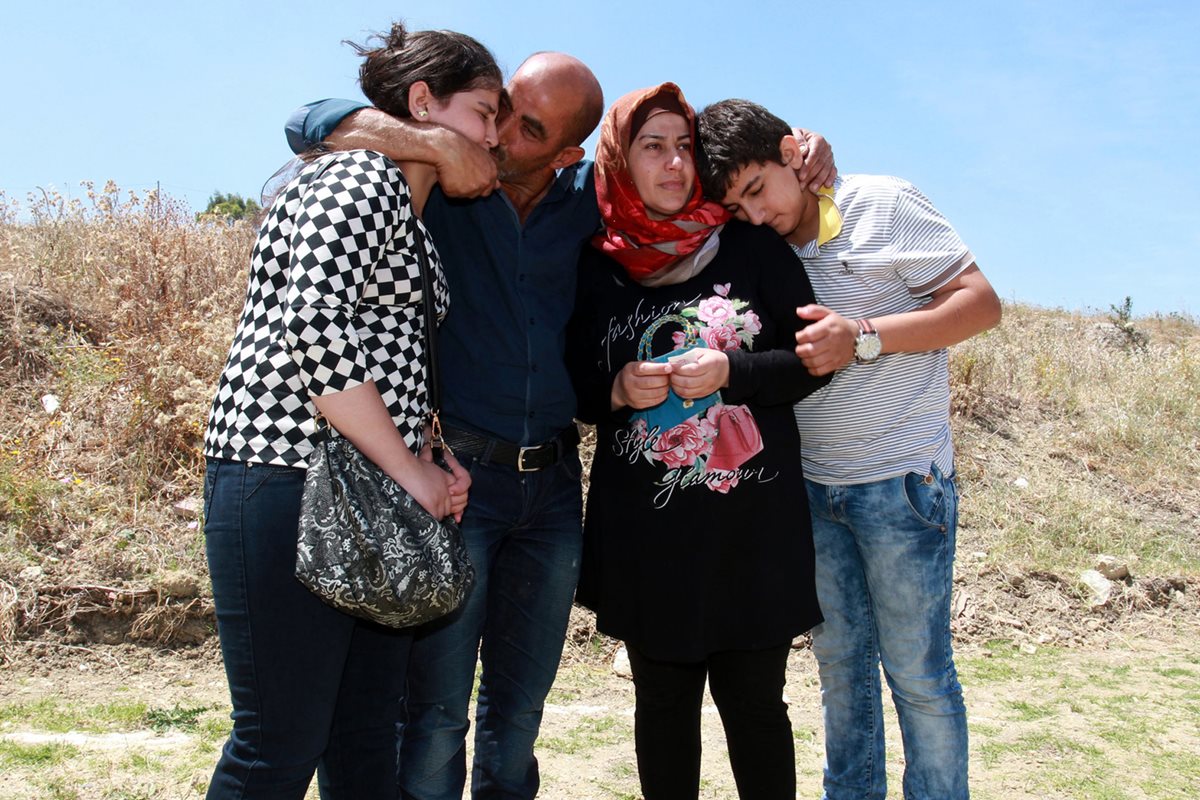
(642,245)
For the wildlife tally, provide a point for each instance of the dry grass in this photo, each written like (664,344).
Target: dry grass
(122,307)
(1107,437)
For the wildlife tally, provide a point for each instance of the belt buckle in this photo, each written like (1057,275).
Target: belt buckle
(521,460)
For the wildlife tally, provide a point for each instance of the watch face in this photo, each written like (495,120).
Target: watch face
(867,347)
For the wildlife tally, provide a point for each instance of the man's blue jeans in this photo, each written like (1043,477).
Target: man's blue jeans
(885,555)
(312,688)
(524,533)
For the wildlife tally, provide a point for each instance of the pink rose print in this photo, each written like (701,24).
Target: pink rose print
(721,480)
(679,339)
(681,445)
(721,289)
(715,310)
(722,338)
(751,323)
(639,429)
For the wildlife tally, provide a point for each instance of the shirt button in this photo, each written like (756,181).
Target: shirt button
(521,277)
(534,368)
(531,415)
(531,320)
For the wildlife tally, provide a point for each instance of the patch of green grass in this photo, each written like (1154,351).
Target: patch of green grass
(213,727)
(1003,662)
(983,729)
(54,716)
(1091,785)
(1028,712)
(804,735)
(61,789)
(141,762)
(1133,733)
(38,756)
(1176,775)
(614,792)
(590,732)
(1176,672)
(1108,677)
(1048,744)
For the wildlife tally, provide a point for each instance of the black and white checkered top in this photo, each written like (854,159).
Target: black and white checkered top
(335,299)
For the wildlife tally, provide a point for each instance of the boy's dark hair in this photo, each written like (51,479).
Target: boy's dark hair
(448,61)
(732,134)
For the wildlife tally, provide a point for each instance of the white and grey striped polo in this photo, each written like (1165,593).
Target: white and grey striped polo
(878,420)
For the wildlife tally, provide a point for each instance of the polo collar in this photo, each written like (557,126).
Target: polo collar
(829,217)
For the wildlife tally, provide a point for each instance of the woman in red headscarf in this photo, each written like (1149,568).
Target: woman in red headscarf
(698,551)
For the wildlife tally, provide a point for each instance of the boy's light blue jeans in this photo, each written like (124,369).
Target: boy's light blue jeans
(885,555)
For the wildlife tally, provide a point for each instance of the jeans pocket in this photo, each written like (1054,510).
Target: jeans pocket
(259,475)
(210,481)
(926,497)
(571,466)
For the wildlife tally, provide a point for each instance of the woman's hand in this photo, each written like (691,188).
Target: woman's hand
(641,384)
(460,484)
(706,372)
(429,485)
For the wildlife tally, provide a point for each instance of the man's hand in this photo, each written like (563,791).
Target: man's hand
(814,162)
(464,168)
(707,373)
(827,343)
(641,384)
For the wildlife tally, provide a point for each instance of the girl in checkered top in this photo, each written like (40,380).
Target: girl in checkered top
(332,323)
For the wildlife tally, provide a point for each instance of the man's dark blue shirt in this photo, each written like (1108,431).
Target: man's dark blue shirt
(512,289)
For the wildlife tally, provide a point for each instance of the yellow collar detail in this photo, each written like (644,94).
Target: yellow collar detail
(830,219)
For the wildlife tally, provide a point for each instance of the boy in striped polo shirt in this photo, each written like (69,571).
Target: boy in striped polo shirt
(897,287)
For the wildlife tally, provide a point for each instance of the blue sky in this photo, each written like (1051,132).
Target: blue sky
(1058,137)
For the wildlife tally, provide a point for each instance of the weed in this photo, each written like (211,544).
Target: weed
(1131,338)
(164,719)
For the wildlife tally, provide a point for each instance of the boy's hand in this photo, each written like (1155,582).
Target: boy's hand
(827,343)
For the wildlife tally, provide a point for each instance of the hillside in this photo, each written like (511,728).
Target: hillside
(1078,436)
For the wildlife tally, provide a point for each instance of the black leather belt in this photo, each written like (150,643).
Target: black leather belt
(498,451)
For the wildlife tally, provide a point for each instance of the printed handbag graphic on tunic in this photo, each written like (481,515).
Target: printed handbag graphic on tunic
(708,444)
(737,441)
(674,409)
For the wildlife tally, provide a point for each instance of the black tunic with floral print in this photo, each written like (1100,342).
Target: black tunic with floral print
(697,536)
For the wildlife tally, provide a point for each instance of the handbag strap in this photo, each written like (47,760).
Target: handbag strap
(689,328)
(433,379)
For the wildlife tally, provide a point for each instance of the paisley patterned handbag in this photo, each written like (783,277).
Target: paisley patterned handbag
(365,546)
(674,409)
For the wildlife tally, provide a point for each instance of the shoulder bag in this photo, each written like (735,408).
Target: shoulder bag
(365,546)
